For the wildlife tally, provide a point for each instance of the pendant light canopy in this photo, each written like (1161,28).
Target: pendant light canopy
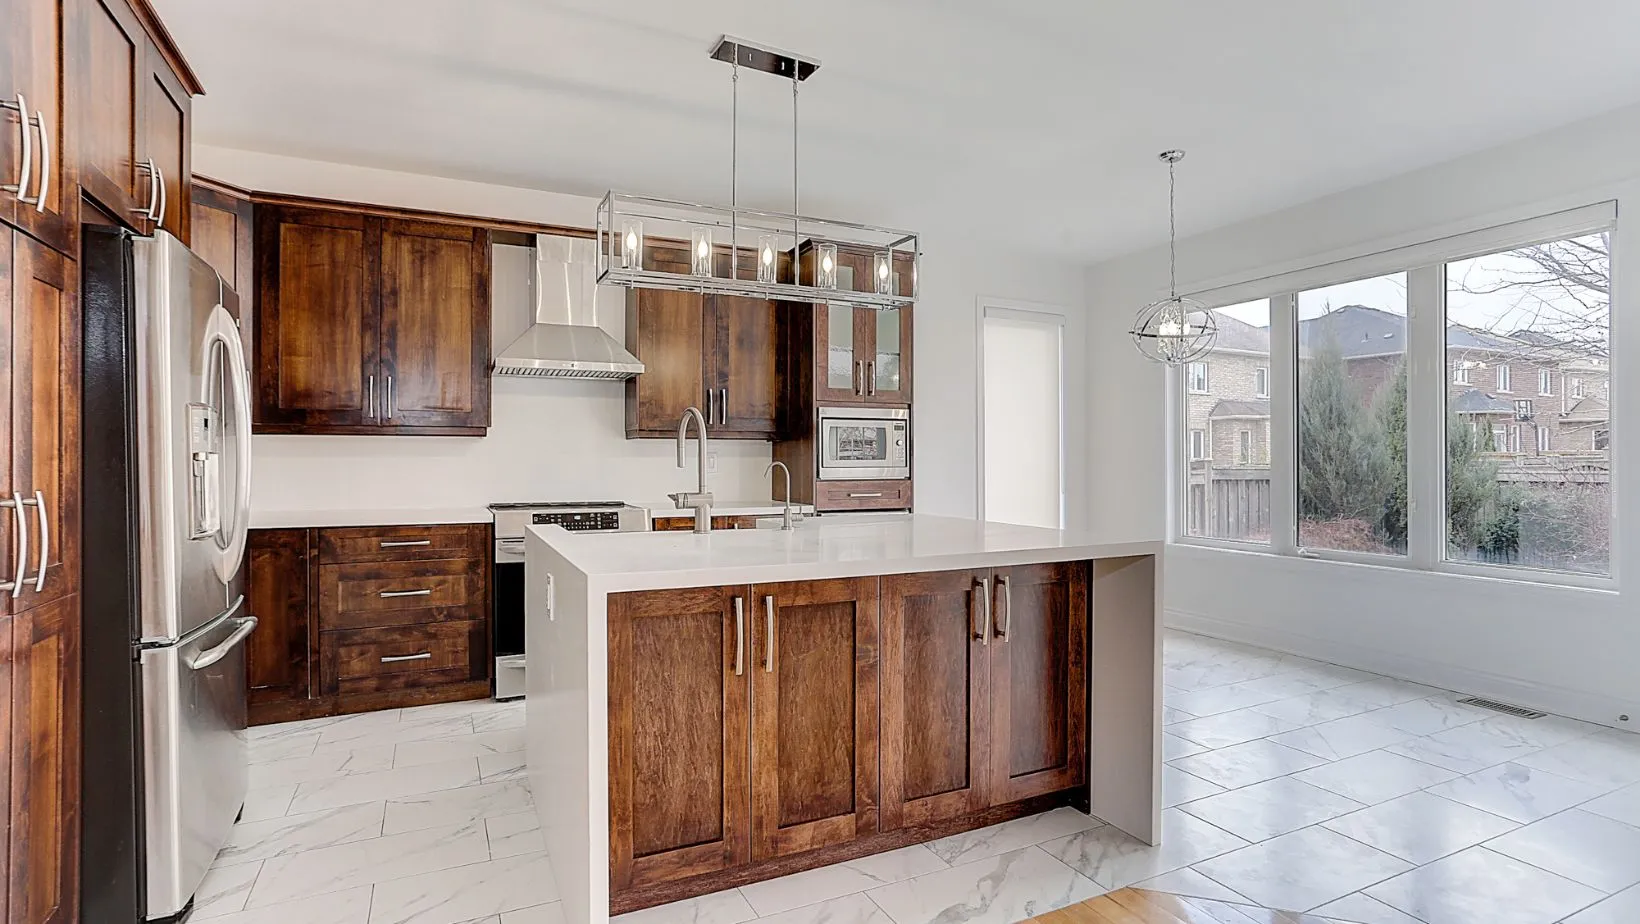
(755,253)
(1174,330)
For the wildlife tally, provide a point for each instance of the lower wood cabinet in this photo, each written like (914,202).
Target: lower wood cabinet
(356,619)
(747,724)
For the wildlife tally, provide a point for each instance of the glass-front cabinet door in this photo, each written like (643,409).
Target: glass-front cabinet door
(889,368)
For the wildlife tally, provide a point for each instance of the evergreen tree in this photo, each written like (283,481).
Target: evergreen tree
(1340,469)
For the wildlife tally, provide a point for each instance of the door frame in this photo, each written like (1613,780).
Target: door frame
(1032,313)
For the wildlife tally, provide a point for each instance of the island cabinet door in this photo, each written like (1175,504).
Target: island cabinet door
(679,732)
(936,704)
(814,715)
(1038,650)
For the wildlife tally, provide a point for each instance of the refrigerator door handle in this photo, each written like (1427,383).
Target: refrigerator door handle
(223,329)
(206,658)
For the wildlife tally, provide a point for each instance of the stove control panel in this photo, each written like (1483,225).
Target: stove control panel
(586,521)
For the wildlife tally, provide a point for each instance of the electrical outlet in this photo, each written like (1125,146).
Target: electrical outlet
(711,462)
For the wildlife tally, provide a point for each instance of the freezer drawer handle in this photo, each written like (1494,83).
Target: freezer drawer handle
(206,658)
(403,545)
(406,593)
(419,656)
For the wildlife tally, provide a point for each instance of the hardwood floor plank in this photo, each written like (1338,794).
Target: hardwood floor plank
(1141,906)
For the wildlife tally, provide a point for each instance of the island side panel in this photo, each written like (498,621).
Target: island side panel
(566,727)
(1124,734)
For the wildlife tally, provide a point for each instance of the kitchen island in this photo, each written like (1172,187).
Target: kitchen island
(709,710)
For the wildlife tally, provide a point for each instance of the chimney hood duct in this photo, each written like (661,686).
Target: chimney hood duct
(565,341)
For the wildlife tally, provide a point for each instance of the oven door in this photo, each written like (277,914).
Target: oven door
(509,618)
(857,444)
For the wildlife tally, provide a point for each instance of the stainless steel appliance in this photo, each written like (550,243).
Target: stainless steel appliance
(166,514)
(511,520)
(859,443)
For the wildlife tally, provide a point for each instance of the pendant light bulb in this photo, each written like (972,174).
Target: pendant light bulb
(765,259)
(826,277)
(700,255)
(632,245)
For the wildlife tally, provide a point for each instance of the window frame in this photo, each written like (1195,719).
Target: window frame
(1546,383)
(1425,264)
(1543,440)
(1505,379)
(1460,373)
(1261,382)
(1200,449)
(1244,446)
(1190,378)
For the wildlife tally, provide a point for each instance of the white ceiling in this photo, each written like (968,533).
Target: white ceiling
(1029,118)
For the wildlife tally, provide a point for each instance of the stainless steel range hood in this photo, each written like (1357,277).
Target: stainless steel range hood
(565,341)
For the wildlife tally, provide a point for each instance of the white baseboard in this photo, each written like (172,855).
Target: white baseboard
(1555,700)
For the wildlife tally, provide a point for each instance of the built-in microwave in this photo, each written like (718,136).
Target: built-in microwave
(859,443)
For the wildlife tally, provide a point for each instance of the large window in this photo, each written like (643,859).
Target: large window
(1227,423)
(1352,416)
(1446,406)
(1544,307)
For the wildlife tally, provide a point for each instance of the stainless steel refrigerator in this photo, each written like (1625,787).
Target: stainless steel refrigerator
(166,418)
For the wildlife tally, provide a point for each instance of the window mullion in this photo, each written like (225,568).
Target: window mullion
(1284,424)
(1426,416)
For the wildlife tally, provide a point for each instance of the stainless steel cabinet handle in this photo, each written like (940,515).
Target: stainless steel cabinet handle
(45,163)
(159,180)
(1007,615)
(871,378)
(859,373)
(390,407)
(27,165)
(984,632)
(206,658)
(370,399)
(405,593)
(768,629)
(711,405)
(865,494)
(404,543)
(147,211)
(740,636)
(418,656)
(20,552)
(723,407)
(39,505)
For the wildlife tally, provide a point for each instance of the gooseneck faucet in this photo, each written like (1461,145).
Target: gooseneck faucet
(788,518)
(701,500)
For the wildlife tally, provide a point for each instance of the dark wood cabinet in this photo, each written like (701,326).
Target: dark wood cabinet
(369,325)
(278,664)
(814,715)
(362,618)
(935,698)
(716,353)
(679,734)
(163,140)
(985,689)
(435,325)
(1039,684)
(31,66)
(220,229)
(44,757)
(130,93)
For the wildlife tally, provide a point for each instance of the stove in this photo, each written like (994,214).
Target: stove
(511,520)
(580,516)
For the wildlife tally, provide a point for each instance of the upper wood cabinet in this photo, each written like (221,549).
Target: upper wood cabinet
(370,325)
(220,228)
(35,82)
(131,97)
(857,354)
(716,353)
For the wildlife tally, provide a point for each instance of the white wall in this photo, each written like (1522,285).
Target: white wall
(1570,651)
(566,439)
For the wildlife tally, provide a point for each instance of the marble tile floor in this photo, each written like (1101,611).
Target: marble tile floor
(1290,784)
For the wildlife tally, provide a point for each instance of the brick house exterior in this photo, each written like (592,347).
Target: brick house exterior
(1544,405)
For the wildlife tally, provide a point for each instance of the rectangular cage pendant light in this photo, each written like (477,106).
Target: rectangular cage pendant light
(646,242)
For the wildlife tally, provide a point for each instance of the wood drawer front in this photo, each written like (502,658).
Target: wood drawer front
(684,524)
(403,543)
(862,495)
(355,596)
(402,657)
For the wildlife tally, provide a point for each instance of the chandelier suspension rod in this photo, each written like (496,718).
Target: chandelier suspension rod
(795,240)
(1172,229)
(734,166)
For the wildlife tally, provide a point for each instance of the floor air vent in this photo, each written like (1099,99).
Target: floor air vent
(1504,708)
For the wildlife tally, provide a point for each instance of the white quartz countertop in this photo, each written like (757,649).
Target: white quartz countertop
(394,516)
(818,548)
(723,508)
